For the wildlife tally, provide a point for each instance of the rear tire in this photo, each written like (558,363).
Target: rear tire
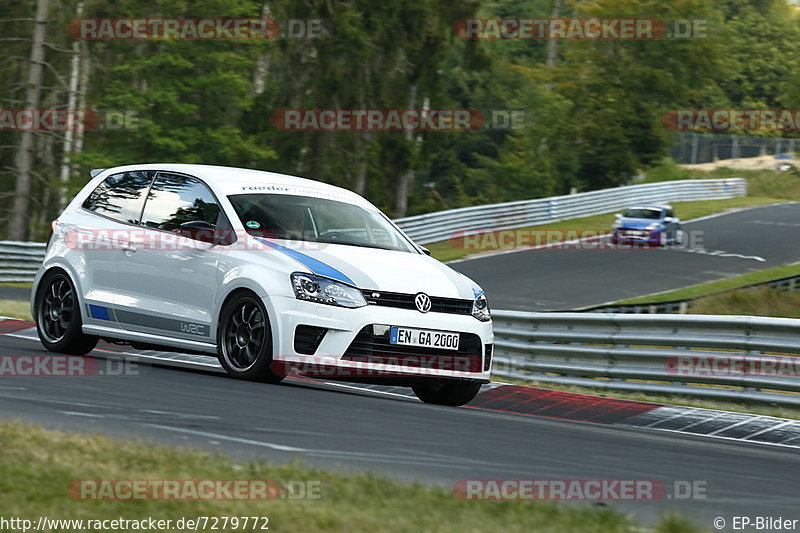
(244,340)
(58,316)
(452,393)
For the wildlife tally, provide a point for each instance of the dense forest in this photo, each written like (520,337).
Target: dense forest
(593,109)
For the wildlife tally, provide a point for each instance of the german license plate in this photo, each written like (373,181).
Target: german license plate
(443,340)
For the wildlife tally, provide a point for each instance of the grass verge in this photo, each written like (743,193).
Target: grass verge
(727,284)
(16,309)
(720,405)
(761,301)
(451,250)
(21,284)
(38,465)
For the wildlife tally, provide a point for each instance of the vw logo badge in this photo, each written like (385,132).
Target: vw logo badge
(423,302)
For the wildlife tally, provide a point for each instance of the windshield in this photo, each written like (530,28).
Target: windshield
(304,218)
(642,212)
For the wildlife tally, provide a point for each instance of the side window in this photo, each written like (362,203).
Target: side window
(175,199)
(120,196)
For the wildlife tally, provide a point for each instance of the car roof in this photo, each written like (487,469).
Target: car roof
(232,180)
(650,206)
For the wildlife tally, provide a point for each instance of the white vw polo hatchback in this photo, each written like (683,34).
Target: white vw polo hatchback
(273,274)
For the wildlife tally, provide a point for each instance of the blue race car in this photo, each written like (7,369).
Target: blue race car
(647,224)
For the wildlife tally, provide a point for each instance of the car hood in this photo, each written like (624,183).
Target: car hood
(636,223)
(373,268)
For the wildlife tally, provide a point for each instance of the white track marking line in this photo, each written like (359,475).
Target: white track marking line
(373,457)
(740,423)
(79,413)
(767,430)
(219,436)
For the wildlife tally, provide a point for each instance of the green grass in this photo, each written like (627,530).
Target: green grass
(21,284)
(761,301)
(451,250)
(640,396)
(16,309)
(38,465)
(727,284)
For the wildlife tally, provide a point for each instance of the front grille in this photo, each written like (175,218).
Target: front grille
(308,338)
(370,348)
(455,306)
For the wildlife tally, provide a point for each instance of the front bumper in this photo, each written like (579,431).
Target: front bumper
(353,348)
(637,235)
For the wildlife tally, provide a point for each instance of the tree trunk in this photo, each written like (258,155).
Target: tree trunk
(552,44)
(362,151)
(83,90)
(262,63)
(23,160)
(404,179)
(72,100)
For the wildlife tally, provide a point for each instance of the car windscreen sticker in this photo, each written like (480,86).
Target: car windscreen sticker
(252,224)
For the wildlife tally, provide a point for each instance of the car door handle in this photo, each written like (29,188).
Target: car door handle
(128,248)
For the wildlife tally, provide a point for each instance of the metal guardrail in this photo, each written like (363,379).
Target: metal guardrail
(19,261)
(788,283)
(443,225)
(670,354)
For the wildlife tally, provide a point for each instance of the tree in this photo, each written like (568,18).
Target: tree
(18,219)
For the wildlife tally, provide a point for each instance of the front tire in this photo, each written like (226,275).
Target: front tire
(244,340)
(452,393)
(58,316)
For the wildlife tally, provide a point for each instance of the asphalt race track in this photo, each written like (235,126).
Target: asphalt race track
(549,279)
(14,293)
(403,438)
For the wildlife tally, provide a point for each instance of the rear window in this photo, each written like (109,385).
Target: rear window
(120,196)
(176,199)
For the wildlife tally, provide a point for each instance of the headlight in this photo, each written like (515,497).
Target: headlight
(326,291)
(654,226)
(480,308)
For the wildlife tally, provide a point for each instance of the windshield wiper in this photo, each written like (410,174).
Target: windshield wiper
(360,245)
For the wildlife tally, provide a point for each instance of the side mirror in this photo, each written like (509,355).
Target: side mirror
(199,230)
(667,219)
(425,250)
